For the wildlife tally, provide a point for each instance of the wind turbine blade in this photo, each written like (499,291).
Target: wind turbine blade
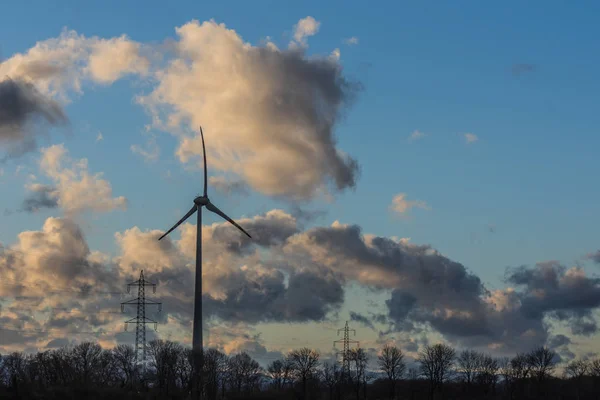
(186,216)
(204,154)
(215,209)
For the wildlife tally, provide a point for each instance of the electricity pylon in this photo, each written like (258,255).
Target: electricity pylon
(141,320)
(345,353)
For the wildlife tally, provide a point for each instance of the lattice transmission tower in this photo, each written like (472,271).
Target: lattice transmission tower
(345,353)
(141,320)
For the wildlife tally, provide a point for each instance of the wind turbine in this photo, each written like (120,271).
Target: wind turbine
(199,202)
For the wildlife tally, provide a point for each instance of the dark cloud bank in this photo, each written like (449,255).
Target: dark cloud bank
(290,275)
(24,111)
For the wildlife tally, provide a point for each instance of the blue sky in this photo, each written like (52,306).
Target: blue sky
(442,69)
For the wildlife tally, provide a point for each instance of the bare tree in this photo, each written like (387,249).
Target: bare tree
(106,373)
(515,371)
(332,376)
(542,363)
(214,371)
(487,376)
(358,357)
(304,364)
(595,373)
(576,370)
(244,372)
(124,356)
(391,362)
(469,363)
(86,360)
(15,365)
(278,371)
(595,368)
(164,355)
(436,365)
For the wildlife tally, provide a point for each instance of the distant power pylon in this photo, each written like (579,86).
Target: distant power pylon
(345,353)
(140,320)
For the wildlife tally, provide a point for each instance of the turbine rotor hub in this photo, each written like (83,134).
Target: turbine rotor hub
(201,201)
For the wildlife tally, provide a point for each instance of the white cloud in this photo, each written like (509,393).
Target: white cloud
(62,64)
(416,135)
(335,55)
(351,41)
(470,138)
(304,28)
(40,81)
(78,190)
(112,58)
(279,107)
(268,115)
(400,205)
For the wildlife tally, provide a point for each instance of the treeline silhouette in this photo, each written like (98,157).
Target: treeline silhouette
(87,371)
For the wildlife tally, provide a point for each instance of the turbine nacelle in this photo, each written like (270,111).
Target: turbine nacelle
(201,201)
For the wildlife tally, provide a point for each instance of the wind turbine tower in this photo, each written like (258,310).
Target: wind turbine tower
(199,202)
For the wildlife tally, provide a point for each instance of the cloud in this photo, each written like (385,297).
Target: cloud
(595,257)
(60,288)
(269,115)
(240,338)
(99,137)
(416,135)
(59,251)
(430,291)
(304,28)
(470,138)
(558,341)
(23,110)
(400,205)
(34,85)
(362,319)
(76,189)
(560,344)
(241,286)
(150,152)
(351,41)
(581,326)
(304,215)
(268,229)
(228,187)
(564,294)
(110,59)
(264,297)
(335,55)
(287,275)
(60,65)
(41,196)
(520,69)
(282,106)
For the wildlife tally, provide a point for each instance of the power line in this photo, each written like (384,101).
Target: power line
(140,320)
